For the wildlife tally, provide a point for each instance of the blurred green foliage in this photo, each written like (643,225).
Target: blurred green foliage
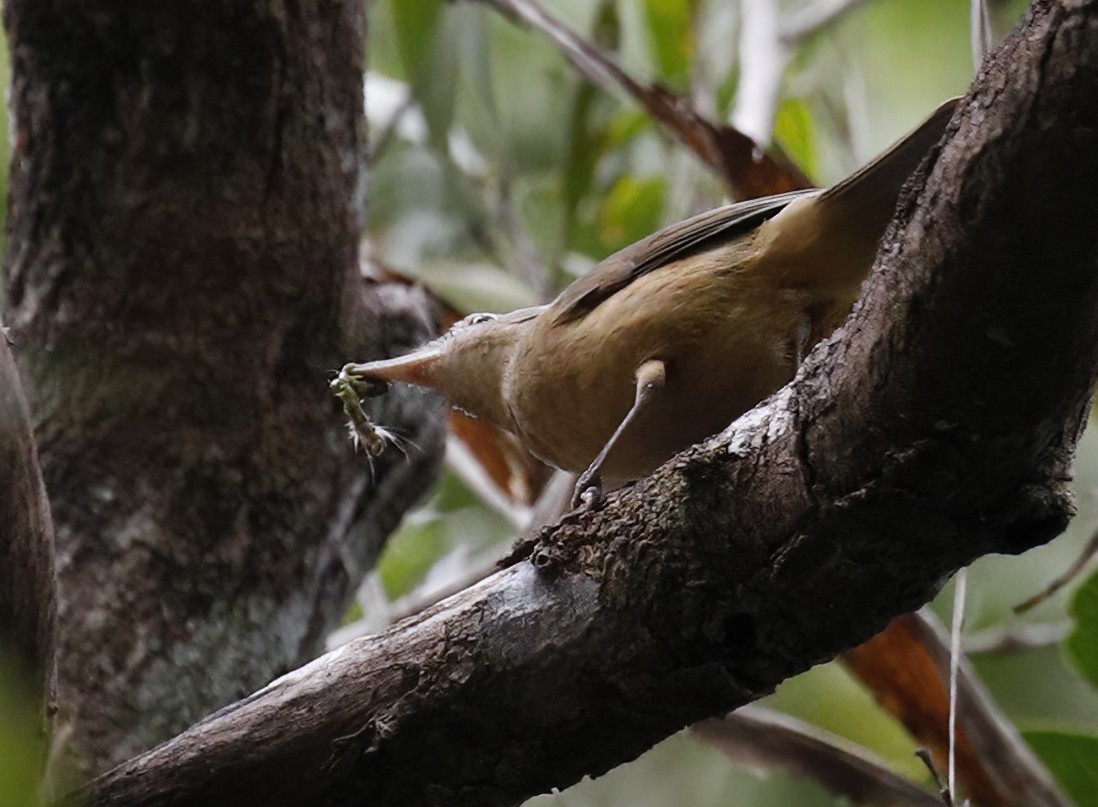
(1082,644)
(21,748)
(1073,760)
(526,174)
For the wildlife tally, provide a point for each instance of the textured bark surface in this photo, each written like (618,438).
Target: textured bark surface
(187,193)
(27,584)
(937,426)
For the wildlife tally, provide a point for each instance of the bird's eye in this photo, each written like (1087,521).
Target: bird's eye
(477,319)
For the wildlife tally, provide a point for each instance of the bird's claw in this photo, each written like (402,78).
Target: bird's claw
(588,493)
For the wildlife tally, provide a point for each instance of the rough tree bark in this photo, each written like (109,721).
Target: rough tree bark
(937,426)
(186,204)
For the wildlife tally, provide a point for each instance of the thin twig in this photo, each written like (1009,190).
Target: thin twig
(763,59)
(943,789)
(532,267)
(760,737)
(476,569)
(810,20)
(955,653)
(979,31)
(767,45)
(463,463)
(1058,583)
(748,171)
(1019,638)
(593,62)
(388,130)
(907,667)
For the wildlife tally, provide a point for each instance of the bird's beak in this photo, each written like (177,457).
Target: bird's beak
(418,367)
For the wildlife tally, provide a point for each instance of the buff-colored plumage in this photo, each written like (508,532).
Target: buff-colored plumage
(721,306)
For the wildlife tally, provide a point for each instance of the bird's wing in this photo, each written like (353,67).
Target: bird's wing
(859,207)
(695,234)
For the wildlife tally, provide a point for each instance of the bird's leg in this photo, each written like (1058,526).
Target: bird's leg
(650,380)
(802,342)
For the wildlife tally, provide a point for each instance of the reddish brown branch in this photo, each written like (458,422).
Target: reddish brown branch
(747,170)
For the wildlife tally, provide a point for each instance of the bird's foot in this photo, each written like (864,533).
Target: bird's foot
(588,493)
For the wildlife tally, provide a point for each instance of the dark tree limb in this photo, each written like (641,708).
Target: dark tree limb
(936,427)
(187,200)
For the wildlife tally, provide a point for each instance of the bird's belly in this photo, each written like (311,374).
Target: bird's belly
(683,417)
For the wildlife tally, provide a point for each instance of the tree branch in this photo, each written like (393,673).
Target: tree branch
(746,169)
(907,667)
(938,425)
(760,737)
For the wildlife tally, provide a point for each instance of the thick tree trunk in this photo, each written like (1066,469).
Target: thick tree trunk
(187,194)
(937,426)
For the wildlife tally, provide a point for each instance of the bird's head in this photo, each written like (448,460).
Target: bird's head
(467,364)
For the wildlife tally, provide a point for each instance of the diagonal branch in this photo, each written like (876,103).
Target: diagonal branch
(813,18)
(768,44)
(907,667)
(933,429)
(761,737)
(747,170)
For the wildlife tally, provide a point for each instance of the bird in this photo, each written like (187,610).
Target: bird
(669,340)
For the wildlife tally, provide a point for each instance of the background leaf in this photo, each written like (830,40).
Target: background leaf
(430,60)
(1073,760)
(1082,644)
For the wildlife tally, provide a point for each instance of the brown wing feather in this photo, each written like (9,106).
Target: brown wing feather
(700,232)
(871,190)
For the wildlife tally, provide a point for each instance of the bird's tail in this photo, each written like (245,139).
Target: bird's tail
(828,241)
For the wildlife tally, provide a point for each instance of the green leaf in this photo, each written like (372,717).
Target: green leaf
(671,32)
(1071,757)
(453,520)
(794,130)
(624,127)
(587,124)
(475,49)
(410,553)
(579,165)
(20,740)
(631,210)
(477,105)
(429,54)
(1082,644)
(416,23)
